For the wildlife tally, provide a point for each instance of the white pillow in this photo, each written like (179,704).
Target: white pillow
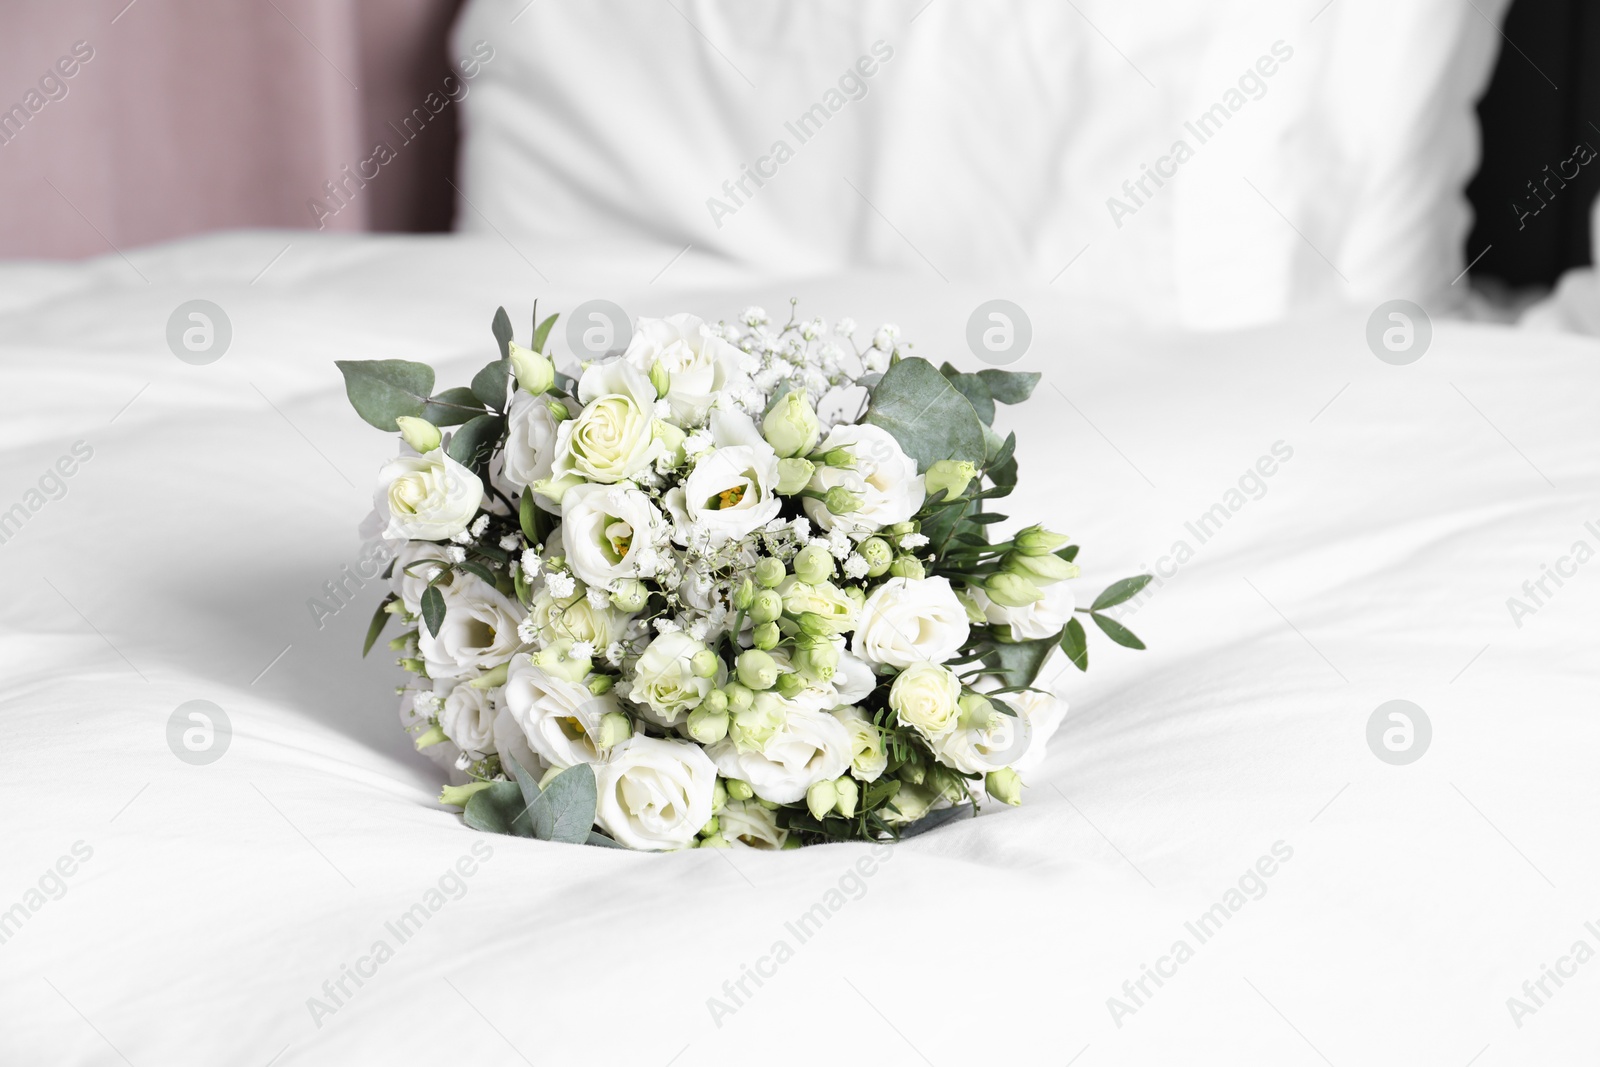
(989,141)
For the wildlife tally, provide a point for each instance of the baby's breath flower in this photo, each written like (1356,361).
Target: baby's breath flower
(754,316)
(510,541)
(480,524)
(913,540)
(855,566)
(560,585)
(845,327)
(455,554)
(531,563)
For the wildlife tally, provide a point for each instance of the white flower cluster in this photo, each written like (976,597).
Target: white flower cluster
(696,569)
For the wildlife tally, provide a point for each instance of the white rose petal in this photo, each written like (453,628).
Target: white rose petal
(427,498)
(653,793)
(911,620)
(810,747)
(467,717)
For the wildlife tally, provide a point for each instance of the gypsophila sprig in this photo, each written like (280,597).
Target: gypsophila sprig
(734,587)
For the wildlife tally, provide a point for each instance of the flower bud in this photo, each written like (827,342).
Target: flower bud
(877,553)
(900,529)
(719,796)
(791,426)
(614,729)
(412,664)
(849,795)
(600,684)
(969,604)
(856,595)
(457,795)
(794,474)
(752,728)
(672,437)
(819,660)
(769,572)
(790,685)
(712,827)
(707,726)
(430,737)
(766,636)
(1037,541)
(739,790)
(1004,785)
(715,701)
(661,378)
(557,658)
(839,457)
(757,670)
(813,565)
(714,841)
(1011,590)
(766,607)
(841,501)
(907,567)
(535,372)
(629,594)
(744,595)
(420,434)
(975,711)
(491,678)
(1041,570)
(821,798)
(558,411)
(951,475)
(814,625)
(739,696)
(705,663)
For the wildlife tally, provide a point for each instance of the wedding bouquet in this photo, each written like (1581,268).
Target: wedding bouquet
(731,586)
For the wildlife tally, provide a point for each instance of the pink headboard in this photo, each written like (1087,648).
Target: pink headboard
(125,123)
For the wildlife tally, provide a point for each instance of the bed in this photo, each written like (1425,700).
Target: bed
(1240,848)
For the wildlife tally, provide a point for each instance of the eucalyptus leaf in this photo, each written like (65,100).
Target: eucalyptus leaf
(489,384)
(476,439)
(526,782)
(927,415)
(595,837)
(541,332)
(498,809)
(565,811)
(382,390)
(1116,631)
(502,331)
(1117,592)
(1075,643)
(433,609)
(1018,663)
(974,389)
(380,619)
(1009,386)
(452,407)
(934,820)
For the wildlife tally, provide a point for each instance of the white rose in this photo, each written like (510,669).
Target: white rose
(911,620)
(467,717)
(731,492)
(412,568)
(885,477)
(427,498)
(868,758)
(664,678)
(810,747)
(654,793)
(614,437)
(751,825)
(699,364)
(574,618)
(560,719)
(606,530)
(1043,618)
(479,630)
(530,449)
(924,697)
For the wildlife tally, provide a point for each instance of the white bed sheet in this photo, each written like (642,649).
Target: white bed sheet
(1376,565)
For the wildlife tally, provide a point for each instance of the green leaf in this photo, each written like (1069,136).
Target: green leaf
(1069,553)
(878,792)
(934,820)
(478,570)
(1117,592)
(499,809)
(452,407)
(565,810)
(929,418)
(1018,663)
(433,609)
(476,439)
(1075,643)
(380,619)
(527,784)
(502,331)
(1116,631)
(1003,463)
(382,390)
(973,388)
(541,332)
(595,837)
(537,523)
(489,384)
(1009,386)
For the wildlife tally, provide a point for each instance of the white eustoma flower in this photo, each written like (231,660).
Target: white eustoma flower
(810,747)
(414,720)
(606,530)
(512,744)
(981,747)
(868,757)
(911,620)
(467,717)
(530,449)
(560,719)
(1041,716)
(664,679)
(730,493)
(697,362)
(653,793)
(414,567)
(748,824)
(614,437)
(884,477)
(925,697)
(479,630)
(575,617)
(1043,618)
(427,498)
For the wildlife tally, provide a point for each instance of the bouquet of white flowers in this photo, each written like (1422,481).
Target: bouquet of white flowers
(731,586)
